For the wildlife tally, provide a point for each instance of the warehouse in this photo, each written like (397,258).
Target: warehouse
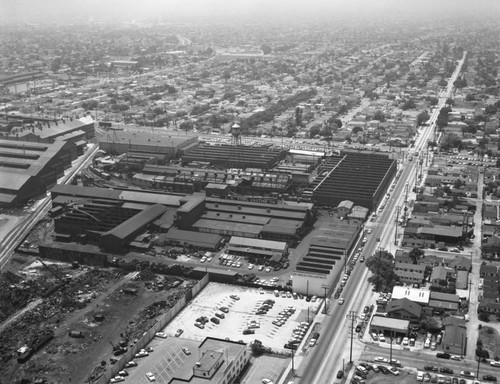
(28,169)
(256,248)
(360,178)
(72,130)
(325,258)
(189,239)
(162,146)
(232,156)
(116,238)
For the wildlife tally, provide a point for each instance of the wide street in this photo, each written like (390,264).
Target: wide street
(322,362)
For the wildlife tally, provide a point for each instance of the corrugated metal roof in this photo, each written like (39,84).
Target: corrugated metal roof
(150,198)
(136,222)
(390,323)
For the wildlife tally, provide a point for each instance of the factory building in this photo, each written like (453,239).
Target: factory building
(326,257)
(361,178)
(162,146)
(28,169)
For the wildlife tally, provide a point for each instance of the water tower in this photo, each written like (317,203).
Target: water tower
(236,135)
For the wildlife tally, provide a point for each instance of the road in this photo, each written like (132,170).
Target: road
(17,234)
(323,361)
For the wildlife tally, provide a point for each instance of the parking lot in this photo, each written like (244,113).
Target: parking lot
(241,315)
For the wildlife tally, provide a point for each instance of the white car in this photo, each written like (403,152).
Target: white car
(117,379)
(380,359)
(341,301)
(150,376)
(267,381)
(163,335)
(250,266)
(393,370)
(405,342)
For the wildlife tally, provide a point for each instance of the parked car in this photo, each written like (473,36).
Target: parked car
(468,374)
(380,359)
(150,376)
(248,331)
(340,374)
(130,364)
(489,378)
(443,355)
(179,332)
(161,334)
(446,370)
(431,368)
(186,351)
(224,309)
(393,370)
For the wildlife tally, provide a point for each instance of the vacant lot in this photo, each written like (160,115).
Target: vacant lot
(240,313)
(491,340)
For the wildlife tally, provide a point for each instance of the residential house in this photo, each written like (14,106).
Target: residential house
(455,336)
(404,309)
(488,270)
(344,208)
(409,273)
(440,275)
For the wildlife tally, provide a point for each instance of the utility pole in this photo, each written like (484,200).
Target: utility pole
(478,364)
(352,315)
(390,353)
(396,225)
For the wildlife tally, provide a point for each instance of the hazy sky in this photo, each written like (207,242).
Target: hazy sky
(50,10)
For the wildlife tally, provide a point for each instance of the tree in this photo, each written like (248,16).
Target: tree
(56,64)
(298,116)
(450,101)
(442,82)
(422,117)
(356,130)
(382,267)
(490,110)
(408,104)
(469,97)
(338,122)
(266,49)
(415,254)
(442,121)
(379,115)
(186,125)
(433,101)
(451,140)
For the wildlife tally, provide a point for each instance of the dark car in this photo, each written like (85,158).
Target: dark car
(384,369)
(340,374)
(290,346)
(489,378)
(215,320)
(443,355)
(431,368)
(248,331)
(358,328)
(446,370)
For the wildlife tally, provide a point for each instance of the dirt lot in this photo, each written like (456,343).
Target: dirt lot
(491,340)
(240,313)
(121,302)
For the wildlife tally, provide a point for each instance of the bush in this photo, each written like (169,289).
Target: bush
(484,316)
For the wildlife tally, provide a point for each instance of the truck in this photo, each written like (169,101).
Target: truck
(35,344)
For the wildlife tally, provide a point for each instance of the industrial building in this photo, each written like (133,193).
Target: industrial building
(160,145)
(360,178)
(325,258)
(28,169)
(272,250)
(67,129)
(235,156)
(215,361)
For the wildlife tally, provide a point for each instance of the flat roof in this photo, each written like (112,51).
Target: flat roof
(258,243)
(416,295)
(191,236)
(390,323)
(228,226)
(151,198)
